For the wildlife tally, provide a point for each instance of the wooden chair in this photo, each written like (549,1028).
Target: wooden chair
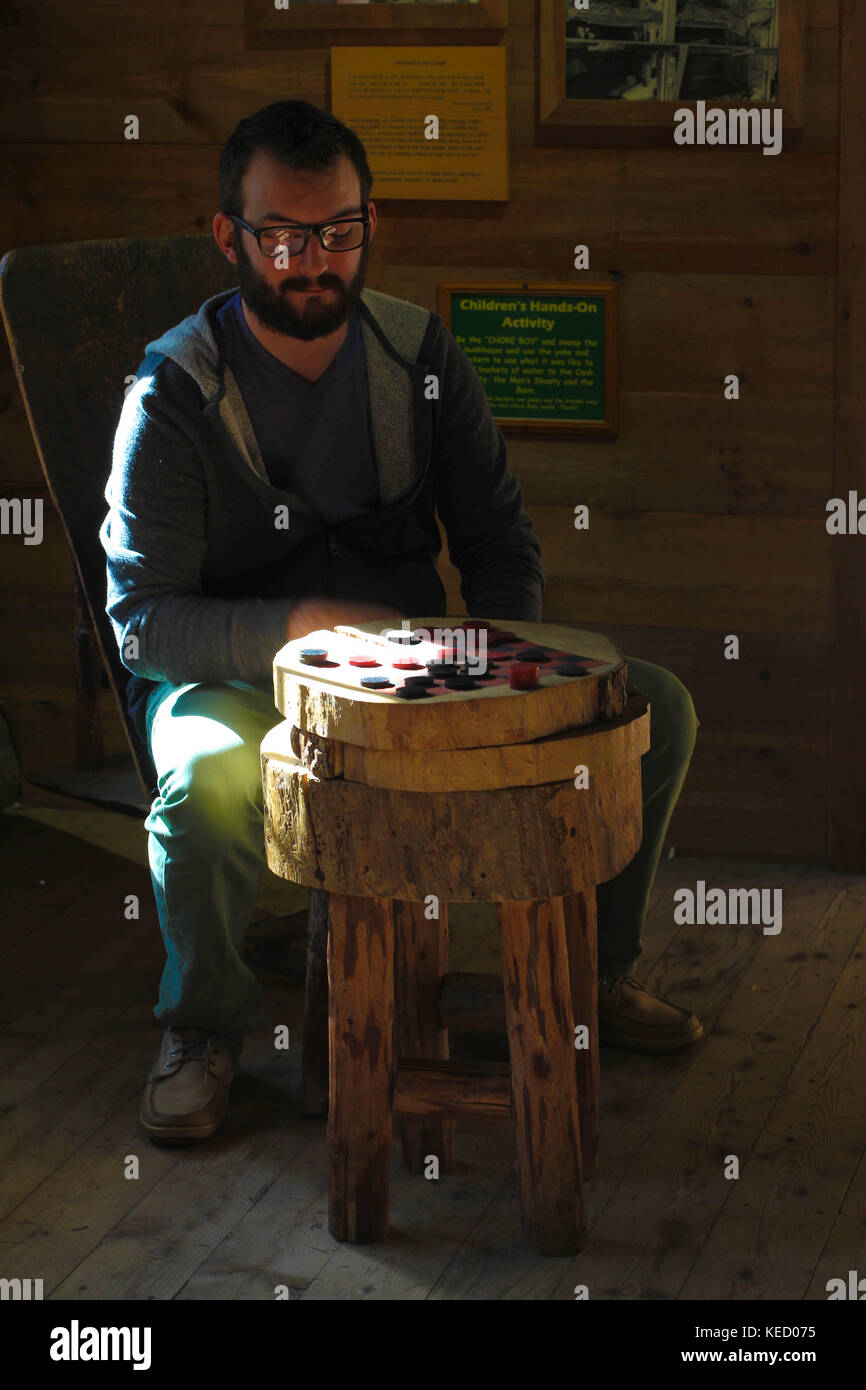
(78,317)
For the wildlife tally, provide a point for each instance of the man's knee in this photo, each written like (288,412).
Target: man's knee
(673,719)
(213,791)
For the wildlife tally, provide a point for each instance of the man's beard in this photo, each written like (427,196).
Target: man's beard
(320,315)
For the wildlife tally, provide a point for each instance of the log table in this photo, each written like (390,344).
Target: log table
(521,786)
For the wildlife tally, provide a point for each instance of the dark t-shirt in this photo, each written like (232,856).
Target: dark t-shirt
(314,436)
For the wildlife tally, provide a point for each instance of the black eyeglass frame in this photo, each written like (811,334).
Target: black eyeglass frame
(317,227)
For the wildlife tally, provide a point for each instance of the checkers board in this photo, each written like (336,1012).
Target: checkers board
(482,682)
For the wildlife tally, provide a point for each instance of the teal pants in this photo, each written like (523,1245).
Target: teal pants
(206,840)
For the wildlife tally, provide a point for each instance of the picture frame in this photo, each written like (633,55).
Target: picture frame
(563,119)
(521,367)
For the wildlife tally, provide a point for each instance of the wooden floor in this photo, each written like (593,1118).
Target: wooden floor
(779,1081)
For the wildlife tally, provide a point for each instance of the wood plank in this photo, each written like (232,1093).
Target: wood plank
(777,687)
(846,838)
(43,726)
(695,453)
(437,25)
(675,1190)
(83,1216)
(756,798)
(96,14)
(600,748)
(665,200)
(77,1200)
(361,1065)
(527,842)
(634,1091)
(823,14)
(778,1215)
(728,215)
(242,1164)
(821,92)
(734,574)
(186,83)
(218,32)
(20,470)
(315,1027)
(767,332)
(282,1239)
(153,189)
(835,1259)
(420,961)
(774,333)
(756,784)
(538,1007)
(43,568)
(453,1090)
(292,1247)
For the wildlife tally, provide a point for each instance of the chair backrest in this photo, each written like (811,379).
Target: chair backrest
(78,317)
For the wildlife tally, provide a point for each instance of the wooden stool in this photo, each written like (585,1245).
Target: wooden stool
(398,808)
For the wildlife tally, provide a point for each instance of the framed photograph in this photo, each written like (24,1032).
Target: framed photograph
(546,353)
(606,65)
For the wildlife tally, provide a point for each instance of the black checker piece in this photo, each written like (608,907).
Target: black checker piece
(461,683)
(534,654)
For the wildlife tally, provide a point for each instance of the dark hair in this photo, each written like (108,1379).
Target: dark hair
(296,133)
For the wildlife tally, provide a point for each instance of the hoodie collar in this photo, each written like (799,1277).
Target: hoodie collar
(392,332)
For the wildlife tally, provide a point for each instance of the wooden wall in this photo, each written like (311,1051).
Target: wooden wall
(707,516)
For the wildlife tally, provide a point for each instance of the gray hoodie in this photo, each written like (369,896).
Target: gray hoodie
(202,571)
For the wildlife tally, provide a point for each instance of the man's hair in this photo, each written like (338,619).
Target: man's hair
(297,134)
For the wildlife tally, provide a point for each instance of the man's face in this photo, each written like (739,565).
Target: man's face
(280,298)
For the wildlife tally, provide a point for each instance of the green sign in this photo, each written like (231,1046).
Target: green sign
(542,356)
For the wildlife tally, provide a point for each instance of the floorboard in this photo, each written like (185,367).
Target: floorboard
(778,1081)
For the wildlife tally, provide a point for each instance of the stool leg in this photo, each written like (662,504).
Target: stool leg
(580,930)
(314,1062)
(543,1077)
(420,961)
(360,1029)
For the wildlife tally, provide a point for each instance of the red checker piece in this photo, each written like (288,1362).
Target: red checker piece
(363,661)
(523,675)
(407,665)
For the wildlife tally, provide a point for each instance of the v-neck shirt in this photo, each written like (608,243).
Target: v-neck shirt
(314,436)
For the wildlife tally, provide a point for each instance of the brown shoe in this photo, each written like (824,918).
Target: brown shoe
(187,1091)
(630,1016)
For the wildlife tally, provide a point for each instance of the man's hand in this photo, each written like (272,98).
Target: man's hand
(310,614)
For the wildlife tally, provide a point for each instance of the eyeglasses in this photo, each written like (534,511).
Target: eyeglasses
(340,234)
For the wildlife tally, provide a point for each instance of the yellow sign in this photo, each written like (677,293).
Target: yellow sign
(432,120)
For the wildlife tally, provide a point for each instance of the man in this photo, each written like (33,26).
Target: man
(305,395)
